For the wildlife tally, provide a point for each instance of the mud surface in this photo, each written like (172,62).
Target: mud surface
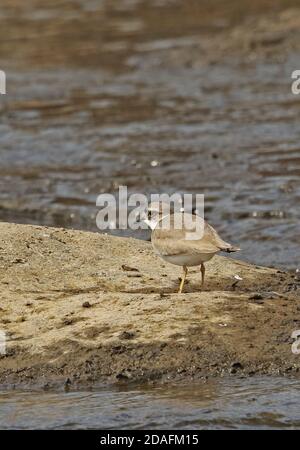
(167,95)
(82,307)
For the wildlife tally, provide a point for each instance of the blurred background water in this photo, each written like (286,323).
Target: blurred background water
(160,96)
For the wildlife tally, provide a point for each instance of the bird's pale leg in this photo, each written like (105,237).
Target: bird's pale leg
(185,271)
(202,269)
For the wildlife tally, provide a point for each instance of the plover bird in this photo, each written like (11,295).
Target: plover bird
(186,246)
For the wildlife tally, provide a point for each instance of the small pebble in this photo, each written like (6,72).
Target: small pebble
(256,297)
(129,269)
(125,374)
(236,365)
(127,335)
(86,305)
(237,279)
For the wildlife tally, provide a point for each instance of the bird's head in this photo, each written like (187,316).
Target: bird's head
(154,213)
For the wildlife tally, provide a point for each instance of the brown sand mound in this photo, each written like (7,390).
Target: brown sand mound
(87,307)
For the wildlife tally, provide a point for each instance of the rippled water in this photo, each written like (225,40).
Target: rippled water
(98,90)
(234,404)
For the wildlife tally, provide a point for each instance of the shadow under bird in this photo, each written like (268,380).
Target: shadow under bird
(183,239)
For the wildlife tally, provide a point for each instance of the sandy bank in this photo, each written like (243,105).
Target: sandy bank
(89,307)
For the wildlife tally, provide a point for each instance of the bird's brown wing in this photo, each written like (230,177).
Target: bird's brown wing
(171,241)
(212,236)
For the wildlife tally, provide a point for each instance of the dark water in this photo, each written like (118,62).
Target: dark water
(235,404)
(97,90)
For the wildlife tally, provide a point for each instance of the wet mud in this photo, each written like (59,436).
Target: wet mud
(84,308)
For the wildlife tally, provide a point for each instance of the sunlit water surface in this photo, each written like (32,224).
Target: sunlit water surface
(128,92)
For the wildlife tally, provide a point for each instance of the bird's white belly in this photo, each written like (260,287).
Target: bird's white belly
(187,260)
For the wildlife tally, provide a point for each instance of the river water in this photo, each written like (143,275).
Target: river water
(159,96)
(136,93)
(232,404)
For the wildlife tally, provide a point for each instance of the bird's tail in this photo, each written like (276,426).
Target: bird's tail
(230,248)
(222,245)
